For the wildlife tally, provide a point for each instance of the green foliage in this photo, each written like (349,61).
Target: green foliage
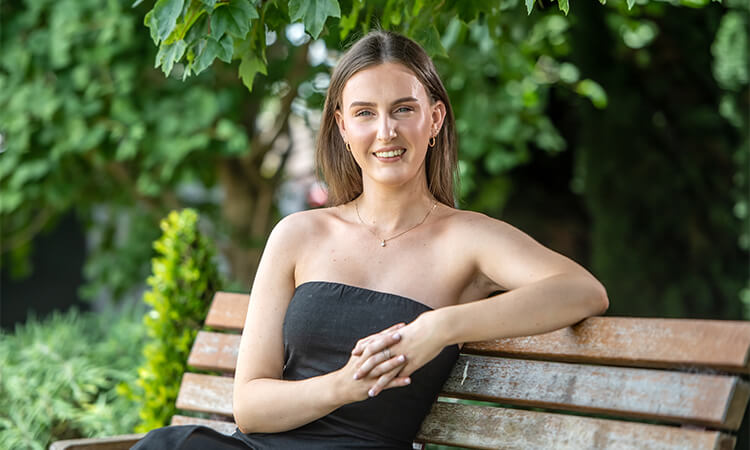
(731,55)
(183,282)
(86,125)
(657,167)
(58,377)
(178,32)
(89,124)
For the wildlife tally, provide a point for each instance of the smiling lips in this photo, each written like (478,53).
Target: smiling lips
(390,154)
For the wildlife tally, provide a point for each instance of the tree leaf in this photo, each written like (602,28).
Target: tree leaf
(313,13)
(208,49)
(564,6)
(218,24)
(529,6)
(250,66)
(162,19)
(631,3)
(226,46)
(430,40)
(348,22)
(594,92)
(234,17)
(168,55)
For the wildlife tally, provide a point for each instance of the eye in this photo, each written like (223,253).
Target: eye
(402,109)
(362,113)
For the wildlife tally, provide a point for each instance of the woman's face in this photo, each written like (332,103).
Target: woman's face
(388,119)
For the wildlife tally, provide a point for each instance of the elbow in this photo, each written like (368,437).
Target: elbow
(600,300)
(240,414)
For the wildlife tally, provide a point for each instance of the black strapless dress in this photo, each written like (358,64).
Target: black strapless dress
(323,322)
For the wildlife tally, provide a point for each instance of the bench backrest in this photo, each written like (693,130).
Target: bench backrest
(683,378)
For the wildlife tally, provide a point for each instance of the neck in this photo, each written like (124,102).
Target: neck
(392,208)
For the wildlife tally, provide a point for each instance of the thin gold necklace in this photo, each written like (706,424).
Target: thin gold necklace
(384,240)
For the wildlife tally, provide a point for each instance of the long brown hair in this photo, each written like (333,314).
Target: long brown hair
(336,164)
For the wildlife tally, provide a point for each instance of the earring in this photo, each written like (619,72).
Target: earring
(348,147)
(432,141)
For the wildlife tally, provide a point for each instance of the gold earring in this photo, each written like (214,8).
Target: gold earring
(432,141)
(348,147)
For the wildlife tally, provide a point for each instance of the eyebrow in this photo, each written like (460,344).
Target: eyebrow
(401,100)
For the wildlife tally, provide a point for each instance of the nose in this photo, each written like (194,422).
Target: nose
(386,129)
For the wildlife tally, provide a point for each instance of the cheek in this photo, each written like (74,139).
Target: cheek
(359,130)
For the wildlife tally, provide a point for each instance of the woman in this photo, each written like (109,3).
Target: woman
(357,310)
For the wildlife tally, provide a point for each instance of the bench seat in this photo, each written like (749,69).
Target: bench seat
(604,383)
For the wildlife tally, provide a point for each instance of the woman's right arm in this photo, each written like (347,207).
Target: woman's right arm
(262,401)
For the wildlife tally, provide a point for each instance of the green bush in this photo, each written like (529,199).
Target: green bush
(58,377)
(184,279)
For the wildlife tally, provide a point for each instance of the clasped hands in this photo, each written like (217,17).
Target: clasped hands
(386,359)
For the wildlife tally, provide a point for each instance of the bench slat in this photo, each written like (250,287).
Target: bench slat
(640,342)
(215,351)
(228,311)
(499,428)
(218,425)
(491,427)
(661,395)
(637,393)
(206,393)
(626,341)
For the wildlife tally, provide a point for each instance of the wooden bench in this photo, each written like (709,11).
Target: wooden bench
(649,383)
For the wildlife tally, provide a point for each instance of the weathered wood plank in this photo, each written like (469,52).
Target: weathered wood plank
(707,400)
(206,393)
(218,425)
(228,311)
(215,351)
(499,428)
(661,395)
(624,341)
(639,342)
(122,442)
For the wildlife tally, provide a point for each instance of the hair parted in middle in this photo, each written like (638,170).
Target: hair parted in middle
(340,172)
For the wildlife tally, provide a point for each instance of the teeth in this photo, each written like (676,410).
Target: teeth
(390,154)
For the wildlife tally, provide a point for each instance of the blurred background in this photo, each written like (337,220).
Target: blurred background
(617,136)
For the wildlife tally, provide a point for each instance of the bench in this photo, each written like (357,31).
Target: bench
(648,383)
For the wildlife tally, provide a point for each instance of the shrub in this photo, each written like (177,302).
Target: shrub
(58,377)
(183,281)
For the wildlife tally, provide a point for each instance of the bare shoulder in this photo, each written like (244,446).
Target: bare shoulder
(472,226)
(302,225)
(503,253)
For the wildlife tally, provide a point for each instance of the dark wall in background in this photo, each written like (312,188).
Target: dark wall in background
(57,260)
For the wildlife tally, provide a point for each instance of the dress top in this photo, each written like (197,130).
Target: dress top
(323,322)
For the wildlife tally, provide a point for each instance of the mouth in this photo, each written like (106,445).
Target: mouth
(390,154)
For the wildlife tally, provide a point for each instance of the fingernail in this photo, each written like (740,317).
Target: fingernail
(356,376)
(396,336)
(371,393)
(407,381)
(401,358)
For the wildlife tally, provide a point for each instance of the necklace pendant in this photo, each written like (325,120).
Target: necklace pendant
(382,243)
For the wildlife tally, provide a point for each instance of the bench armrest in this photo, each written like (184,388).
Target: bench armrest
(121,442)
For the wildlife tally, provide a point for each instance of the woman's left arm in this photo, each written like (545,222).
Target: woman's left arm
(545,291)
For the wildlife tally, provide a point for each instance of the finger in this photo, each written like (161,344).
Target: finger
(381,343)
(370,363)
(384,381)
(398,382)
(362,343)
(387,366)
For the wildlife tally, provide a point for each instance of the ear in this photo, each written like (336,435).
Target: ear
(438,115)
(340,122)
